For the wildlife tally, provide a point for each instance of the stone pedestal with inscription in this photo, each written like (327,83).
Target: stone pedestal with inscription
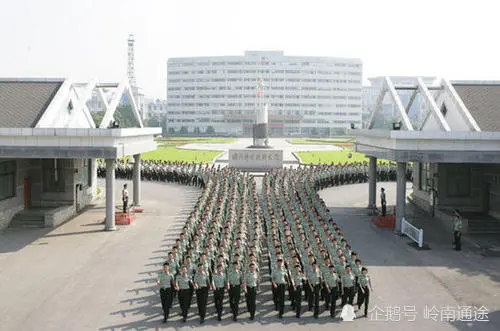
(255,159)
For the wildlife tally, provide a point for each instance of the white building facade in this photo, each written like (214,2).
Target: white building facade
(306,95)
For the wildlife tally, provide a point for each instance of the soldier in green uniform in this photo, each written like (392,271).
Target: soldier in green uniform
(166,281)
(219,284)
(201,284)
(298,280)
(234,279)
(365,287)
(279,281)
(314,279)
(348,280)
(172,264)
(332,284)
(457,231)
(251,286)
(183,285)
(356,270)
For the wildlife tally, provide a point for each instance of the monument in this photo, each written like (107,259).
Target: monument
(260,156)
(260,129)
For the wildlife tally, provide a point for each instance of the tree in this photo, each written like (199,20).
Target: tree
(314,131)
(184,130)
(171,130)
(210,130)
(125,116)
(197,130)
(97,117)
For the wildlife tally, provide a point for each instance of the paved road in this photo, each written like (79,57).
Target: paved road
(77,277)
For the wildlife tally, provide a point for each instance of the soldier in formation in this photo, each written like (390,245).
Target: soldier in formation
(307,250)
(220,244)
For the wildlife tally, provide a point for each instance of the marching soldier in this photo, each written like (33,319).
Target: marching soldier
(201,284)
(365,287)
(251,286)
(166,282)
(314,280)
(219,283)
(348,280)
(234,289)
(183,285)
(331,283)
(356,270)
(298,280)
(279,281)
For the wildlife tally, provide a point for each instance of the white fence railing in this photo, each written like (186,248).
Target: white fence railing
(415,234)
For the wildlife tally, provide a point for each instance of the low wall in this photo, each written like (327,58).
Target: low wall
(59,215)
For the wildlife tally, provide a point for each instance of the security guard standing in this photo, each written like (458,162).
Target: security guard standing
(219,283)
(125,198)
(166,281)
(278,278)
(183,285)
(251,285)
(234,279)
(331,283)
(201,284)
(457,231)
(298,280)
(383,201)
(315,280)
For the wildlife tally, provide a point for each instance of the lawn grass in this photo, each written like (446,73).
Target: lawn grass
(329,157)
(172,153)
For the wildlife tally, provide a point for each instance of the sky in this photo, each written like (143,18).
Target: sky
(87,39)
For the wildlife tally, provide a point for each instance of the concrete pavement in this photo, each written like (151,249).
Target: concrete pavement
(403,276)
(77,277)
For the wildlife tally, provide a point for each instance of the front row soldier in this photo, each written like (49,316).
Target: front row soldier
(348,281)
(184,284)
(219,284)
(234,289)
(365,287)
(251,285)
(201,284)
(298,280)
(315,280)
(166,282)
(279,281)
(332,285)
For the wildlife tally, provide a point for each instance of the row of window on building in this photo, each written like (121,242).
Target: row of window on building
(249,121)
(261,63)
(262,72)
(254,87)
(268,97)
(290,105)
(249,79)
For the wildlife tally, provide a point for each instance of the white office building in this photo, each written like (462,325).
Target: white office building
(155,107)
(306,95)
